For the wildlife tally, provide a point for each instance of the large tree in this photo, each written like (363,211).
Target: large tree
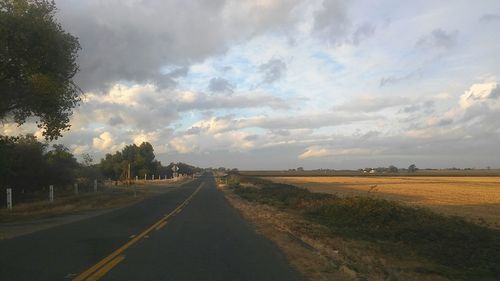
(37,65)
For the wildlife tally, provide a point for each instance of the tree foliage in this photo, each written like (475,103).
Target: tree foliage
(142,162)
(37,65)
(27,164)
(141,159)
(412,168)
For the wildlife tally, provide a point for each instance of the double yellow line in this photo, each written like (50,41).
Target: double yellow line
(99,269)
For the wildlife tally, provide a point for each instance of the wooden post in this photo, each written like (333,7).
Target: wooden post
(51,193)
(9,198)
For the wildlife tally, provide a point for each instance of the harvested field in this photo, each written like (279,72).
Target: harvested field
(475,198)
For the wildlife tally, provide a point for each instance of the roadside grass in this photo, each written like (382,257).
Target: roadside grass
(460,250)
(70,204)
(37,206)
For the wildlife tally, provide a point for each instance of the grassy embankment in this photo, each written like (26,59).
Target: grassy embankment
(457,249)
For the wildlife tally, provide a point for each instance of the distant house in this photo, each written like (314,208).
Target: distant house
(372,171)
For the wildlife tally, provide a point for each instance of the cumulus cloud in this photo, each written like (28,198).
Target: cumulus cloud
(104,142)
(479,93)
(211,138)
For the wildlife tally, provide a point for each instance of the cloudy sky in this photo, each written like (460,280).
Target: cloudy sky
(271,84)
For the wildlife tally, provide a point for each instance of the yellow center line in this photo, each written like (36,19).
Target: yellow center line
(105,269)
(161,225)
(84,275)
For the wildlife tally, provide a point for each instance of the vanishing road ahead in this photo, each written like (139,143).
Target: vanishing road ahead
(188,233)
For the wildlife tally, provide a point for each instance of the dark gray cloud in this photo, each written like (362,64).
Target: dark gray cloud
(220,85)
(169,79)
(134,41)
(333,25)
(273,70)
(115,120)
(331,22)
(489,18)
(438,39)
(363,31)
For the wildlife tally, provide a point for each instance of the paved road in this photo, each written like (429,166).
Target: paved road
(189,233)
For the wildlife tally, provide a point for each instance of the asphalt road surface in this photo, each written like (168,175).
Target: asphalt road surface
(188,233)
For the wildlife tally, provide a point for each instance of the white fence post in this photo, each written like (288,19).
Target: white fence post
(76,188)
(136,178)
(9,198)
(145,176)
(51,193)
(153,177)
(95,185)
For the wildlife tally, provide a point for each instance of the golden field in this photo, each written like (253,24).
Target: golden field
(475,198)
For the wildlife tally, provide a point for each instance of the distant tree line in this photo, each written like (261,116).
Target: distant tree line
(28,165)
(141,159)
(391,169)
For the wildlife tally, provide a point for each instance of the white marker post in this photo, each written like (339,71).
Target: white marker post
(145,176)
(136,178)
(153,177)
(51,193)
(95,185)
(76,188)
(9,198)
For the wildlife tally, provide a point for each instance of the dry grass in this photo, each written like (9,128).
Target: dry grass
(310,248)
(70,205)
(475,198)
(67,203)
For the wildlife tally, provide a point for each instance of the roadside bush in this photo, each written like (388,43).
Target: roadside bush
(472,251)
(276,194)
